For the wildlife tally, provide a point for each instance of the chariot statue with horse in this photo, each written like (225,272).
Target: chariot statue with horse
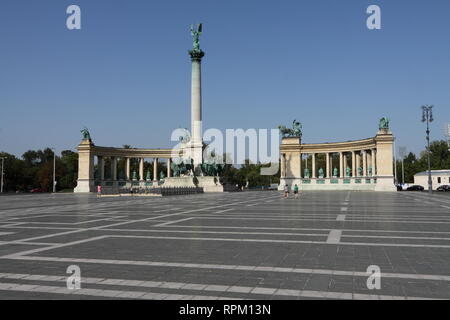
(295,132)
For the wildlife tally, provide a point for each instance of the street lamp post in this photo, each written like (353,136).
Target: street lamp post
(427,116)
(1,183)
(54,171)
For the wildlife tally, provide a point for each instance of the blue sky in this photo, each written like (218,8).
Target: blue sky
(126,74)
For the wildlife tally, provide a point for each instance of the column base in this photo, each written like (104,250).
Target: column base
(209,184)
(291,182)
(85,186)
(385,184)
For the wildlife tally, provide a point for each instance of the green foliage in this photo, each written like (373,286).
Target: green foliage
(35,170)
(250,173)
(439,158)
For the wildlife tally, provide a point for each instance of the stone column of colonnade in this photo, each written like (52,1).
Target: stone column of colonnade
(155,169)
(364,156)
(169,162)
(114,168)
(358,163)
(331,165)
(369,162)
(141,169)
(341,165)
(345,164)
(313,173)
(327,165)
(127,169)
(354,168)
(101,167)
(374,162)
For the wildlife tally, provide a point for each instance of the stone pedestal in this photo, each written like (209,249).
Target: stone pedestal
(85,182)
(85,185)
(384,161)
(209,184)
(385,184)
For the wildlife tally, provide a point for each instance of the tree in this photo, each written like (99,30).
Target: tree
(68,170)
(13,169)
(440,155)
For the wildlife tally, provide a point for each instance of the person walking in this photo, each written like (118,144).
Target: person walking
(296,191)
(286,191)
(99,190)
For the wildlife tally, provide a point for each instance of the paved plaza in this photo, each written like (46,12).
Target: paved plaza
(246,245)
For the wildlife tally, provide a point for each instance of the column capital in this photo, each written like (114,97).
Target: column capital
(196,55)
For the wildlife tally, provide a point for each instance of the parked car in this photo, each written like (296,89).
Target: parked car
(444,187)
(415,188)
(36,190)
(402,187)
(273,186)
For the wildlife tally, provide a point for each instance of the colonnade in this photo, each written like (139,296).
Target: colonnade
(361,163)
(88,179)
(351,165)
(141,175)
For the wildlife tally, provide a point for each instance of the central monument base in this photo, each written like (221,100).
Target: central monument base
(209,184)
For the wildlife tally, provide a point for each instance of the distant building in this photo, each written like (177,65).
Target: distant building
(438,177)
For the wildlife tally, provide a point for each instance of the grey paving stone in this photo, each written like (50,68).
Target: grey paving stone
(257,247)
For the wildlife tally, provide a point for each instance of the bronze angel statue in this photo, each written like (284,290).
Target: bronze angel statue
(196,32)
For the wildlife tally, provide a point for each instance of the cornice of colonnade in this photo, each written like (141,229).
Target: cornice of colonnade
(132,153)
(86,146)
(294,145)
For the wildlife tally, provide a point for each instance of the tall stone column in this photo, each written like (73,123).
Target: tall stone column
(196,142)
(345,164)
(374,162)
(141,169)
(358,162)
(114,168)
(313,165)
(341,165)
(353,164)
(127,168)
(364,155)
(155,169)
(328,175)
(101,168)
(169,161)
